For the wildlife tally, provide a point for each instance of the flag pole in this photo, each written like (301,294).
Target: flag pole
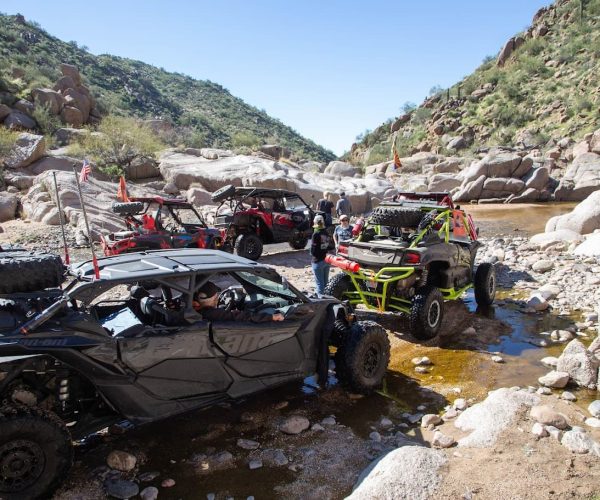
(87,226)
(62,222)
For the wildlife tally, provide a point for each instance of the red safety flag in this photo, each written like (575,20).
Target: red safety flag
(122,190)
(86,170)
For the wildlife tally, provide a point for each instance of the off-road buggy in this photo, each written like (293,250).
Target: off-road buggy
(161,223)
(410,256)
(254,216)
(131,346)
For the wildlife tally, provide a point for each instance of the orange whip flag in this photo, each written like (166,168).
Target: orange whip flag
(397,163)
(122,190)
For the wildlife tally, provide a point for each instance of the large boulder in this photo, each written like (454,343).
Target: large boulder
(590,247)
(410,472)
(142,168)
(585,217)
(527,196)
(24,106)
(19,120)
(48,98)
(537,178)
(471,190)
(71,115)
(275,151)
(595,142)
(77,99)
(4,112)
(546,240)
(581,179)
(199,196)
(580,364)
(341,168)
(27,149)
(8,206)
(64,83)
(72,72)
(498,164)
(416,162)
(443,182)
(66,135)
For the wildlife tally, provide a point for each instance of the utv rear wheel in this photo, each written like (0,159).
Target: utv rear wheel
(249,246)
(298,243)
(35,452)
(29,272)
(223,193)
(397,216)
(338,286)
(366,356)
(128,208)
(485,284)
(426,313)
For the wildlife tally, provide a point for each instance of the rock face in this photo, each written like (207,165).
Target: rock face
(590,247)
(581,179)
(407,472)
(490,417)
(584,218)
(580,364)
(28,148)
(8,206)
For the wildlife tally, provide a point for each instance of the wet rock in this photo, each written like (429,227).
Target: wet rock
(414,418)
(421,361)
(460,404)
(421,369)
(375,436)
(594,408)
(295,425)
(544,391)
(317,427)
(440,440)
(255,463)
(146,477)
(554,379)
(579,442)
(247,444)
(168,483)
(561,335)
(121,460)
(548,291)
(121,488)
(549,361)
(539,430)
(430,419)
(328,421)
(568,396)
(274,458)
(385,423)
(497,359)
(537,303)
(546,415)
(542,266)
(579,364)
(450,415)
(593,422)
(149,493)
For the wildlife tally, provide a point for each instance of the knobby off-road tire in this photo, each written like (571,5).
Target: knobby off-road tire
(366,354)
(248,246)
(223,193)
(426,313)
(298,243)
(29,272)
(397,217)
(127,208)
(485,284)
(338,285)
(35,452)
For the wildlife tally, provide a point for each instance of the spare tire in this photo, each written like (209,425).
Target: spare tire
(397,216)
(128,208)
(223,193)
(30,272)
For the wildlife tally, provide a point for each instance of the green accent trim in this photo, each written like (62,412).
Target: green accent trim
(453,293)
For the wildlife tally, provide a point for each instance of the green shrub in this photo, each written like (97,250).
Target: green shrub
(247,139)
(421,115)
(48,123)
(120,141)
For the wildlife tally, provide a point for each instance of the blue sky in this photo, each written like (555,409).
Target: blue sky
(328,68)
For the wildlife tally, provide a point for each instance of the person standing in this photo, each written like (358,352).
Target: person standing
(343,206)
(318,251)
(325,205)
(343,232)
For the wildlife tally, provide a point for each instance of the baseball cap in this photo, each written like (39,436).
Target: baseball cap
(344,217)
(208,290)
(319,220)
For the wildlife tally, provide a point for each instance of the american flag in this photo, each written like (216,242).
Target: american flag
(86,170)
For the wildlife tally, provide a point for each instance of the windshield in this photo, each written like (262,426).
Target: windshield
(187,216)
(266,284)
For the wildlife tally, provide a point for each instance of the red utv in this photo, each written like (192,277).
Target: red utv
(254,216)
(161,223)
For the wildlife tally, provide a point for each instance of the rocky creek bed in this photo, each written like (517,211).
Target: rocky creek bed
(303,442)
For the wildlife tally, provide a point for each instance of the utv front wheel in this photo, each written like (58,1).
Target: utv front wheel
(338,286)
(485,284)
(366,356)
(426,313)
(298,243)
(35,452)
(249,246)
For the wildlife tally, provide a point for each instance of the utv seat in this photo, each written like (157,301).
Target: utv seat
(154,313)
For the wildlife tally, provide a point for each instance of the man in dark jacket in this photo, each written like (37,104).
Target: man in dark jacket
(206,300)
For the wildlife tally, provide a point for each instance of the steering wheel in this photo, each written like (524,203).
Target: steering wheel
(232,298)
